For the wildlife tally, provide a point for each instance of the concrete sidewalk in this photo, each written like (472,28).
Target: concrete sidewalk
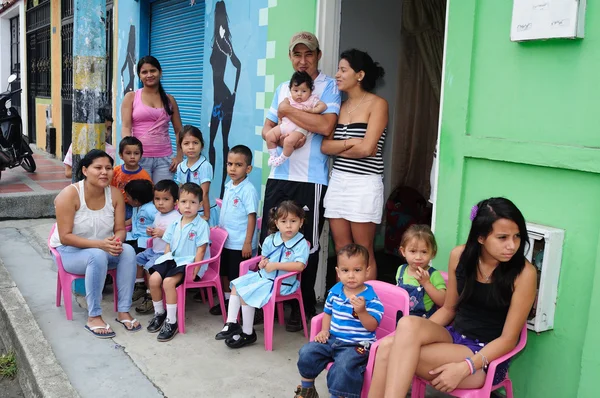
(31,195)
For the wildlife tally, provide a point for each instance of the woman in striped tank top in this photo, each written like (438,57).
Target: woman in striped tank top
(354,199)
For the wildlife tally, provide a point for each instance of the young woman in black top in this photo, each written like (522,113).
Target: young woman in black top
(491,289)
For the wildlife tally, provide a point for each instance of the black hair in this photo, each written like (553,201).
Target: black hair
(221,19)
(193,188)
(140,190)
(130,140)
(188,129)
(286,207)
(360,60)
(88,159)
(354,250)
(243,150)
(302,77)
(149,59)
(168,186)
(503,277)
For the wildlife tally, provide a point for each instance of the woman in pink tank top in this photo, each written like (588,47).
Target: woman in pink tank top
(146,114)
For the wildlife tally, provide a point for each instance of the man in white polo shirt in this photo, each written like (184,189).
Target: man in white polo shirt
(303,178)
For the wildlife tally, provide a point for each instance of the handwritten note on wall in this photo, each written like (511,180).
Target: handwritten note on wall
(547,19)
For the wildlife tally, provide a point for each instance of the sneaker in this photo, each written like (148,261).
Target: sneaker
(167,331)
(294,324)
(229,330)
(156,322)
(146,307)
(306,392)
(139,291)
(216,309)
(240,340)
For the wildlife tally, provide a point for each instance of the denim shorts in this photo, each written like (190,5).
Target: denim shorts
(147,258)
(345,377)
(475,346)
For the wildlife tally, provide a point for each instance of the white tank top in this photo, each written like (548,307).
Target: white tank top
(90,224)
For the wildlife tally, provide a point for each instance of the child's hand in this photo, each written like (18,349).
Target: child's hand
(422,276)
(263,263)
(247,250)
(149,231)
(158,232)
(196,269)
(111,245)
(270,267)
(322,336)
(358,303)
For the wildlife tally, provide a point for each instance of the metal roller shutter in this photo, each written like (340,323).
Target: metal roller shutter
(177,41)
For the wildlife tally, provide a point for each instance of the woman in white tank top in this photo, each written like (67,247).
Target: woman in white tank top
(90,229)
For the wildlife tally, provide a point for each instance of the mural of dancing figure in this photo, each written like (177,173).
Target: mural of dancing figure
(129,61)
(224,99)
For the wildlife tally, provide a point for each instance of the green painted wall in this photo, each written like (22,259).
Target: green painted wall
(520,120)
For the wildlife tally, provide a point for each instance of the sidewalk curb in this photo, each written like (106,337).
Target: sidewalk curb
(40,374)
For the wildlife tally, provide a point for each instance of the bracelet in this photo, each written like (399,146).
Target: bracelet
(484,361)
(471,365)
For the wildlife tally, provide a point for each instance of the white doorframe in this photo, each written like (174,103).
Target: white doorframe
(327,29)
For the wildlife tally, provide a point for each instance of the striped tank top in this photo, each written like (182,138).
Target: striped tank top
(364,166)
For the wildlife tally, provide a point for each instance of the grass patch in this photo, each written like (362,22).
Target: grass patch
(8,365)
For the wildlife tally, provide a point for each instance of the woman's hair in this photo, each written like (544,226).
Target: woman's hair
(360,60)
(88,159)
(221,19)
(420,232)
(140,190)
(284,209)
(195,132)
(503,277)
(149,59)
(302,77)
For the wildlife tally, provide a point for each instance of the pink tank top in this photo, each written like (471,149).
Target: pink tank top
(151,126)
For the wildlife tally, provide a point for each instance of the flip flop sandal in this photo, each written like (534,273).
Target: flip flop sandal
(93,329)
(130,322)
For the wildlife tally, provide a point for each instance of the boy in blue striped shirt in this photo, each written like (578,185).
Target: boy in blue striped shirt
(352,313)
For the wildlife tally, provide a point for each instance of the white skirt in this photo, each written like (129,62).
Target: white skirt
(354,197)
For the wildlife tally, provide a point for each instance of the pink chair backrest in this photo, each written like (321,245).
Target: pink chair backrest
(219,202)
(394,299)
(445,276)
(218,236)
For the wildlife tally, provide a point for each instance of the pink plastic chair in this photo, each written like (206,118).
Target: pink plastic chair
(219,202)
(394,299)
(276,300)
(418,385)
(64,281)
(210,279)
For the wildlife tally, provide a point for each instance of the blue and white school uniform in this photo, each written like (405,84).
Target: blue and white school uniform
(142,218)
(255,288)
(184,242)
(200,172)
(239,201)
(148,257)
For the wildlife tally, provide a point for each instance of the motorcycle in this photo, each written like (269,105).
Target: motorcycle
(14,146)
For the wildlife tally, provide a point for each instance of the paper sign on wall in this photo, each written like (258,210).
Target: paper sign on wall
(547,19)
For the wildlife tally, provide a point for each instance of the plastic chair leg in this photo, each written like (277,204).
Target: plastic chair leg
(181,309)
(280,312)
(303,317)
(58,290)
(211,300)
(508,387)
(203,295)
(113,274)
(68,299)
(269,318)
(418,388)
(221,298)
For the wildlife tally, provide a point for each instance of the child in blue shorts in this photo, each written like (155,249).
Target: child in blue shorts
(166,194)
(352,313)
(187,241)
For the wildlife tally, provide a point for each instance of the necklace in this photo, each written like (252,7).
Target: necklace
(220,49)
(486,277)
(356,107)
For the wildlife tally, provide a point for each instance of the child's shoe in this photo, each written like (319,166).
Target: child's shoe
(167,332)
(306,392)
(229,330)
(216,309)
(156,322)
(146,307)
(139,291)
(243,339)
